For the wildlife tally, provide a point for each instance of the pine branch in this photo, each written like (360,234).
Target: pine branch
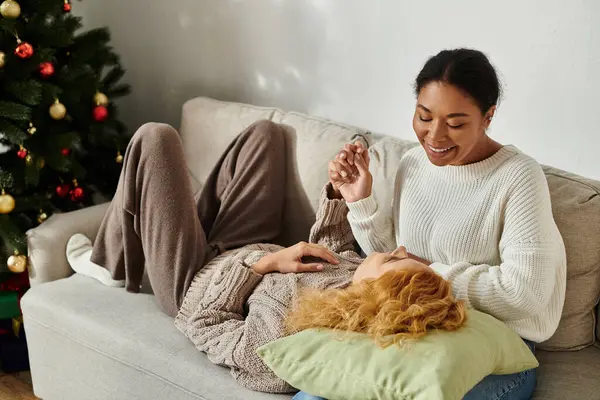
(32,173)
(28,92)
(119,91)
(11,132)
(14,111)
(113,76)
(14,237)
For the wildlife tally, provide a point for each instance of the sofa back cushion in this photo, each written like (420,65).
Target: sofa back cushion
(209,125)
(576,209)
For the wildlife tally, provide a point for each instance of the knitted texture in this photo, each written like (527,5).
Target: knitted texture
(487,227)
(229,311)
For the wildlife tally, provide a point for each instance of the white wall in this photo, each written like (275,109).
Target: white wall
(354,61)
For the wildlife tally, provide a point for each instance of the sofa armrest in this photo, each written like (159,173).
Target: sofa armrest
(47,243)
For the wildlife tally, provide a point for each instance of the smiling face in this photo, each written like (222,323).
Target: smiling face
(377,264)
(450,125)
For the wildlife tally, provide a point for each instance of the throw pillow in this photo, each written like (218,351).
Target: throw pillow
(441,365)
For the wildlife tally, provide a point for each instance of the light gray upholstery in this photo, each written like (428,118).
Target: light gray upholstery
(90,344)
(88,341)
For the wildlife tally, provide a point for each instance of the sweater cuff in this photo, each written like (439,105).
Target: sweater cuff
(331,211)
(363,209)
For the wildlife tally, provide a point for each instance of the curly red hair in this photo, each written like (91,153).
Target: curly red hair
(398,305)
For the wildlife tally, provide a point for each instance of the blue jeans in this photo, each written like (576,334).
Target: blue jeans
(519,386)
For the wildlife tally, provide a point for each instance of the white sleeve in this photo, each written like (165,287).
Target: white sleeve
(532,253)
(373,225)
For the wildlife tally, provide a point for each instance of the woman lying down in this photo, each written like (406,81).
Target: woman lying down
(228,299)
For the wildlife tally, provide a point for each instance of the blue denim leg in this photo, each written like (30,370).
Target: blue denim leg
(306,396)
(518,386)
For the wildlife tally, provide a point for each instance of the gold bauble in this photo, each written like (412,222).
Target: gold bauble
(17,263)
(42,217)
(58,110)
(41,162)
(101,99)
(7,203)
(2,59)
(10,9)
(119,158)
(29,159)
(32,129)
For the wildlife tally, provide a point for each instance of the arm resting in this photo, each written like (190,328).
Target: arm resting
(47,243)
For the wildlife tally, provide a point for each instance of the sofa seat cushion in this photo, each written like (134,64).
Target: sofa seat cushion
(131,330)
(568,375)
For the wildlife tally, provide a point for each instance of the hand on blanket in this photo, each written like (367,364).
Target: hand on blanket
(349,173)
(290,259)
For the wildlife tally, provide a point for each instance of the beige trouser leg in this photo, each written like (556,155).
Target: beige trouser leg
(155,221)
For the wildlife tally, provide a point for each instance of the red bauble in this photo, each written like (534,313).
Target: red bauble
(77,194)
(100,113)
(22,153)
(24,50)
(67,7)
(46,69)
(65,152)
(63,190)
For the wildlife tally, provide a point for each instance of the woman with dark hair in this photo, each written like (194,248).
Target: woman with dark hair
(473,210)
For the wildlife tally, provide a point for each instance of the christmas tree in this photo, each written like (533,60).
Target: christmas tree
(58,123)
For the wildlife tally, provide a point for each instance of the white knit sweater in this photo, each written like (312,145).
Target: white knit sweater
(487,227)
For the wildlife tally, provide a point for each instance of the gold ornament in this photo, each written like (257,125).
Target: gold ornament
(29,159)
(7,203)
(58,110)
(101,99)
(41,163)
(10,9)
(119,158)
(42,217)
(17,263)
(32,129)
(2,59)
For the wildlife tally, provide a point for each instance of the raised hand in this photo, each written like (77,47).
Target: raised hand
(290,259)
(349,173)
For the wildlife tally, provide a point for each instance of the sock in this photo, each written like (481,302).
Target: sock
(79,253)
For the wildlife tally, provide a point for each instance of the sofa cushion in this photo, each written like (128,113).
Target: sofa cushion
(568,375)
(128,330)
(576,209)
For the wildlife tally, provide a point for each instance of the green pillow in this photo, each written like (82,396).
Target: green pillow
(442,365)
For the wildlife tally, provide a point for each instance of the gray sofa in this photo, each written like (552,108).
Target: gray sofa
(88,341)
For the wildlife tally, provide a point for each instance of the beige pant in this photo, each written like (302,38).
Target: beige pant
(155,221)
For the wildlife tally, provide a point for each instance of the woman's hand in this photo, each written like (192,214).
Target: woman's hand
(349,173)
(290,259)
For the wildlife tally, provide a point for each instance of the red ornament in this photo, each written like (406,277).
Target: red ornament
(22,153)
(100,113)
(63,190)
(77,194)
(46,69)
(67,6)
(24,50)
(65,152)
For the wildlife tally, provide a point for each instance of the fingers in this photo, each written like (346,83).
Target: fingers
(338,171)
(362,164)
(314,267)
(349,150)
(316,250)
(343,158)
